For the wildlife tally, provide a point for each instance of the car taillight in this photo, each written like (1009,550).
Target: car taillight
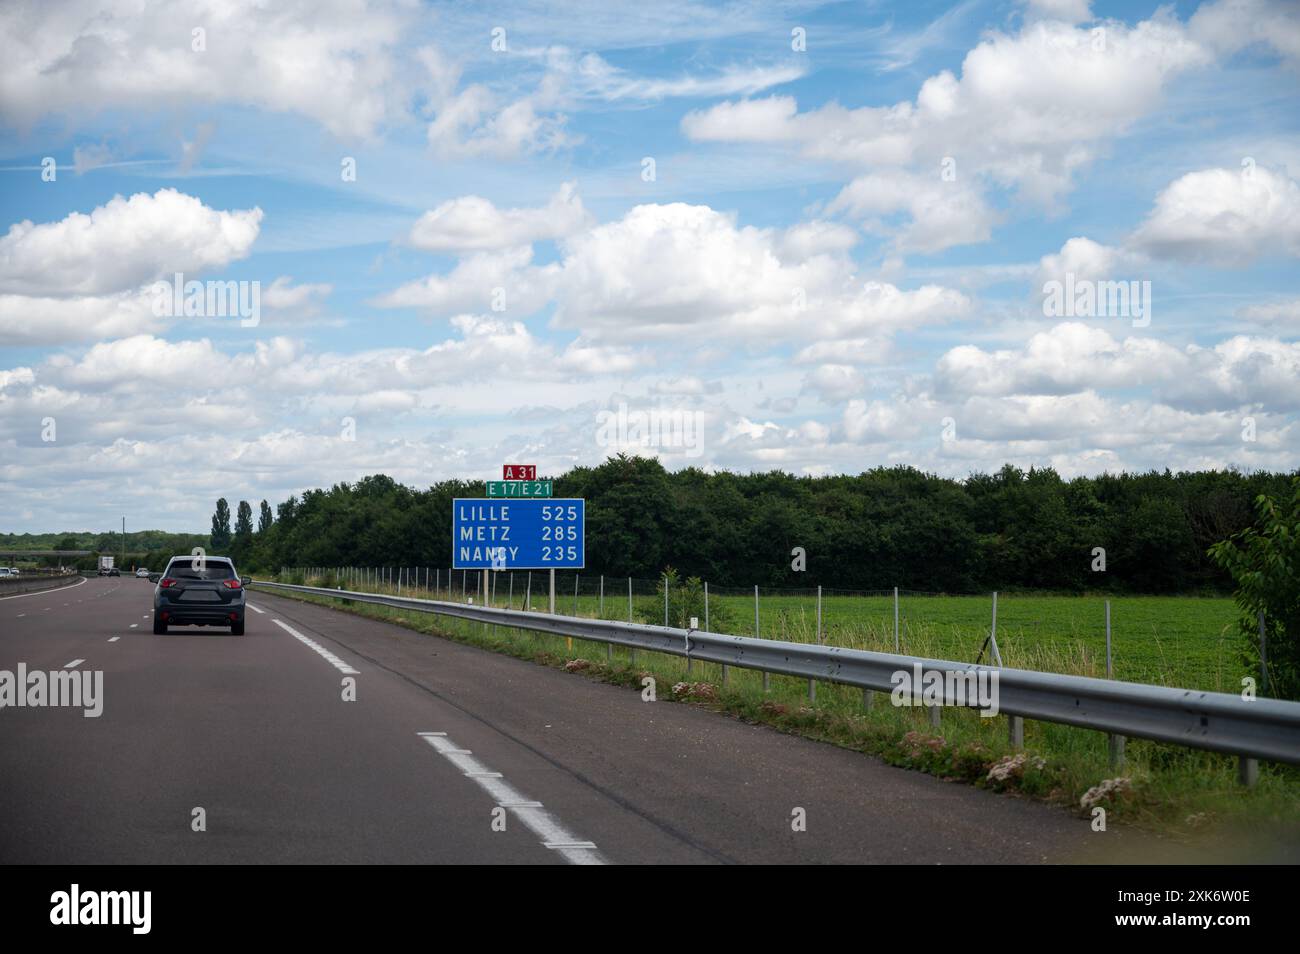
(230,584)
(166,581)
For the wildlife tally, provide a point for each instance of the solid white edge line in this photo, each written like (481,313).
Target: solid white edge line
(552,835)
(18,596)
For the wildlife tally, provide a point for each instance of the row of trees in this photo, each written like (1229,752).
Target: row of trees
(239,542)
(882,528)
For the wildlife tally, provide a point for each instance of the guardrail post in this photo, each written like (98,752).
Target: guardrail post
(766,677)
(1016,731)
(936,715)
(1247,771)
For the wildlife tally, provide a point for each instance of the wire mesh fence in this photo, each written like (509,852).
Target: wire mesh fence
(1183,641)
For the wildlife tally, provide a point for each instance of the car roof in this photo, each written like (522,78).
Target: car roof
(209,559)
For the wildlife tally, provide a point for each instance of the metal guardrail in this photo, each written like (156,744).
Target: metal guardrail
(1218,722)
(36,584)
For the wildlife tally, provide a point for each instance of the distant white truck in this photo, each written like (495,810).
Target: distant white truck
(105,565)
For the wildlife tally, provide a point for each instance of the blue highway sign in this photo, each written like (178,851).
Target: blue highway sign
(523,534)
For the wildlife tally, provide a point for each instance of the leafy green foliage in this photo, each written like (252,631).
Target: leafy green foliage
(885,527)
(685,600)
(1264,561)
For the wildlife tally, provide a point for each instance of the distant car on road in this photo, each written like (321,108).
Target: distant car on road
(4,573)
(13,571)
(112,571)
(142,573)
(194,591)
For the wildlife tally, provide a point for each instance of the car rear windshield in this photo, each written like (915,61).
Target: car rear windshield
(212,570)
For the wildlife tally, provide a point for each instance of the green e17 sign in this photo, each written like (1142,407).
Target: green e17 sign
(519,488)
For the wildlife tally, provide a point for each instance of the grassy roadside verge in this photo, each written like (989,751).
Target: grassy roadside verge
(1162,788)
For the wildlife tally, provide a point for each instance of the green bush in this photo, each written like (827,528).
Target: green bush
(685,600)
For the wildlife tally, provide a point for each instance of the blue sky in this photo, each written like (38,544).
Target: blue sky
(838,263)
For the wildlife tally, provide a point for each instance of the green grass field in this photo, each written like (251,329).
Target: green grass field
(1179,641)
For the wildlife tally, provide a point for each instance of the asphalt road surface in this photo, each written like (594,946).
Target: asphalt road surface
(444,746)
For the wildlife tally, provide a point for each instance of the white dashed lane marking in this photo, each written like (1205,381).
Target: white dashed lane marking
(534,816)
(256,610)
(113,639)
(74,664)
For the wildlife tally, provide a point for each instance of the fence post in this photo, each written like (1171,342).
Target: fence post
(568,640)
(896,649)
(1263,655)
(1116,746)
(609,647)
(629,616)
(812,683)
(993,633)
(726,670)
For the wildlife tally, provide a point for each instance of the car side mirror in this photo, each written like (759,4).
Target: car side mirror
(245,580)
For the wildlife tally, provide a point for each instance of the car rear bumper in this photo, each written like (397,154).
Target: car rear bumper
(179,614)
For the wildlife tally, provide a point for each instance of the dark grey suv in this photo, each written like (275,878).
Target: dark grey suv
(199,591)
